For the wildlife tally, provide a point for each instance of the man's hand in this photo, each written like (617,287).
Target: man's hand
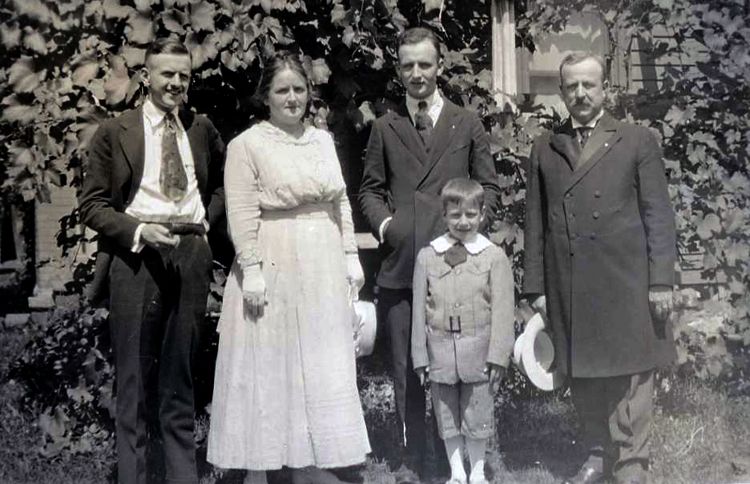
(422,372)
(540,305)
(158,236)
(497,373)
(254,290)
(660,303)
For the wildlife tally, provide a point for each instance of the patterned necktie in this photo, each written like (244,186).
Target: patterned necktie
(423,122)
(173,178)
(455,255)
(583,135)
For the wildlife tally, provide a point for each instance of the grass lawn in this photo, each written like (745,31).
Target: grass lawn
(700,435)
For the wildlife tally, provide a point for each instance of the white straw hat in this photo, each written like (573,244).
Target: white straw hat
(365,327)
(533,354)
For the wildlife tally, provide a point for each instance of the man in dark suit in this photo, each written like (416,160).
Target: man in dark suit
(152,190)
(600,245)
(411,154)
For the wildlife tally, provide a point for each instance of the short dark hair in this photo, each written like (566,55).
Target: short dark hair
(578,57)
(459,190)
(166,45)
(274,65)
(416,35)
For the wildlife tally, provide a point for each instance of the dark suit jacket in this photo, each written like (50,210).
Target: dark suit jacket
(402,178)
(113,175)
(600,232)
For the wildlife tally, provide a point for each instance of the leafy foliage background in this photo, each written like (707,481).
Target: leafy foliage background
(67,64)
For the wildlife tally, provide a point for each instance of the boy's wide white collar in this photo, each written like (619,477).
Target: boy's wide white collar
(474,246)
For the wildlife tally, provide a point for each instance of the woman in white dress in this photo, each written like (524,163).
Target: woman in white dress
(285,390)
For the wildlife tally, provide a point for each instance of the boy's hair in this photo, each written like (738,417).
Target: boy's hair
(459,190)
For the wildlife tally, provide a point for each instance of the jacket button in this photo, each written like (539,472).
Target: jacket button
(597,194)
(595,214)
(457,305)
(568,195)
(592,236)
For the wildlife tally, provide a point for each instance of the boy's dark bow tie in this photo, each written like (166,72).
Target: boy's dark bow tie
(455,255)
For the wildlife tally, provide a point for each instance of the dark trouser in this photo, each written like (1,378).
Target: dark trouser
(615,413)
(157,308)
(394,309)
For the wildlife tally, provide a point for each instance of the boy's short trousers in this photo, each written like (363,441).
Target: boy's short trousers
(463,409)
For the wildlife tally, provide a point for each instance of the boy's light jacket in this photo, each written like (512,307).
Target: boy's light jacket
(479,293)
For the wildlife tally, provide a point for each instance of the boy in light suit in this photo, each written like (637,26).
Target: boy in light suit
(462,332)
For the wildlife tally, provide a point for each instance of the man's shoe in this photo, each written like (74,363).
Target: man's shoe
(586,475)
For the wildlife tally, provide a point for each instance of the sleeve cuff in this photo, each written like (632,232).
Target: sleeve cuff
(138,244)
(381,229)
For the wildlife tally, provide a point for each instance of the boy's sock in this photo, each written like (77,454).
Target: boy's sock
(454,449)
(476,449)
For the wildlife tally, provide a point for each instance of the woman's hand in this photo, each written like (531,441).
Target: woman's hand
(354,275)
(254,290)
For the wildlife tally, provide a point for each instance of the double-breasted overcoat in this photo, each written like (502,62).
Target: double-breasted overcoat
(600,233)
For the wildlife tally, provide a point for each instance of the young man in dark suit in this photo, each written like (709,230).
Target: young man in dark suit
(152,190)
(411,154)
(599,260)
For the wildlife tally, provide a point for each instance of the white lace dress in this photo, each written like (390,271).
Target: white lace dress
(285,389)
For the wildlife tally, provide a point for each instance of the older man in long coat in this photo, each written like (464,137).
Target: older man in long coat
(600,245)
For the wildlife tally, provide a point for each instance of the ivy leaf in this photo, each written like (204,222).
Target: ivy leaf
(430,5)
(10,35)
(85,71)
(230,60)
(22,77)
(33,40)
(174,21)
(80,394)
(143,6)
(710,224)
(114,9)
(54,425)
(70,6)
(368,113)
(320,72)
(118,81)
(140,29)
(34,9)
(338,14)
(266,5)
(16,112)
(201,51)
(133,56)
(202,16)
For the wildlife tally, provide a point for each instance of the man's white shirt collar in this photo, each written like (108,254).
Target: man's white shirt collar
(591,124)
(474,246)
(155,116)
(434,106)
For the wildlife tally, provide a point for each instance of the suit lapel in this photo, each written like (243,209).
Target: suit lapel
(605,136)
(407,133)
(132,143)
(565,143)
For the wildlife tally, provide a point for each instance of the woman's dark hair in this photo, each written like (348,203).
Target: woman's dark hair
(274,65)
